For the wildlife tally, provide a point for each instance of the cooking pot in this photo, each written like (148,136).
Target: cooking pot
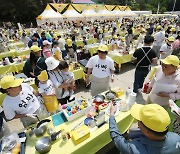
(41,128)
(99,99)
(43,145)
(110,95)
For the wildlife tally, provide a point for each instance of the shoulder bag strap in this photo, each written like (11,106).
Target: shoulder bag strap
(145,55)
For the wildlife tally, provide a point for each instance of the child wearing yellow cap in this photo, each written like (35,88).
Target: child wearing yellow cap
(47,90)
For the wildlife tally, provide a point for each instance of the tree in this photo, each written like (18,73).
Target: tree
(22,11)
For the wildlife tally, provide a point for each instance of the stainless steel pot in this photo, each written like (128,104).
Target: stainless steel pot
(99,98)
(110,95)
(43,145)
(41,128)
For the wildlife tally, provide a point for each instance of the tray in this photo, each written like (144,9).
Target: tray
(79,113)
(23,144)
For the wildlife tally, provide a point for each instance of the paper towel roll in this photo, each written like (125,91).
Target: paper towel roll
(132,99)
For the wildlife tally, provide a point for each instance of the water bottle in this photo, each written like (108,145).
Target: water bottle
(128,91)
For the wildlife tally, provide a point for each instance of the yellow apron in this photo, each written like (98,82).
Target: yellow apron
(51,103)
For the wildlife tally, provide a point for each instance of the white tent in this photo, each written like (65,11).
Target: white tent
(129,13)
(89,13)
(116,12)
(104,13)
(49,15)
(71,14)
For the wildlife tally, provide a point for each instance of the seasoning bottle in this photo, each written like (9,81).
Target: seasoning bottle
(64,135)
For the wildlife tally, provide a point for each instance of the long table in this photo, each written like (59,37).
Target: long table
(11,68)
(15,53)
(120,58)
(99,137)
(89,41)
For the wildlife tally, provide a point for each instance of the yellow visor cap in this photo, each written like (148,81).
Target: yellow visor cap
(43,76)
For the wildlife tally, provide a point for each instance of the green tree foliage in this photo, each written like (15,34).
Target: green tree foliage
(145,5)
(22,11)
(25,11)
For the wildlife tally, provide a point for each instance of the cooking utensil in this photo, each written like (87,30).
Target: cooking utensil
(99,98)
(110,95)
(43,145)
(40,129)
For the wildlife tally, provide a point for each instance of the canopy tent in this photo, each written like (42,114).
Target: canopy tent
(104,12)
(49,15)
(90,14)
(79,7)
(129,13)
(59,7)
(110,7)
(116,12)
(71,14)
(96,7)
(122,8)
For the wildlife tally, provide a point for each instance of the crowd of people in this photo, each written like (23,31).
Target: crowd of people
(53,47)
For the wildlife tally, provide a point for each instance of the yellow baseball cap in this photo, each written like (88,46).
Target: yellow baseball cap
(105,30)
(115,37)
(152,116)
(35,48)
(55,36)
(69,42)
(171,60)
(43,76)
(173,29)
(103,48)
(171,39)
(100,31)
(10,81)
(158,27)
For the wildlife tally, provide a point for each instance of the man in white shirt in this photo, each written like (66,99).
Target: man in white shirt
(166,49)
(159,37)
(62,43)
(102,67)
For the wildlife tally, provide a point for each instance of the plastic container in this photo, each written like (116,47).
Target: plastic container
(128,91)
(79,113)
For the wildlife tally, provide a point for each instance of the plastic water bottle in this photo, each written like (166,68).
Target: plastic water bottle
(128,91)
